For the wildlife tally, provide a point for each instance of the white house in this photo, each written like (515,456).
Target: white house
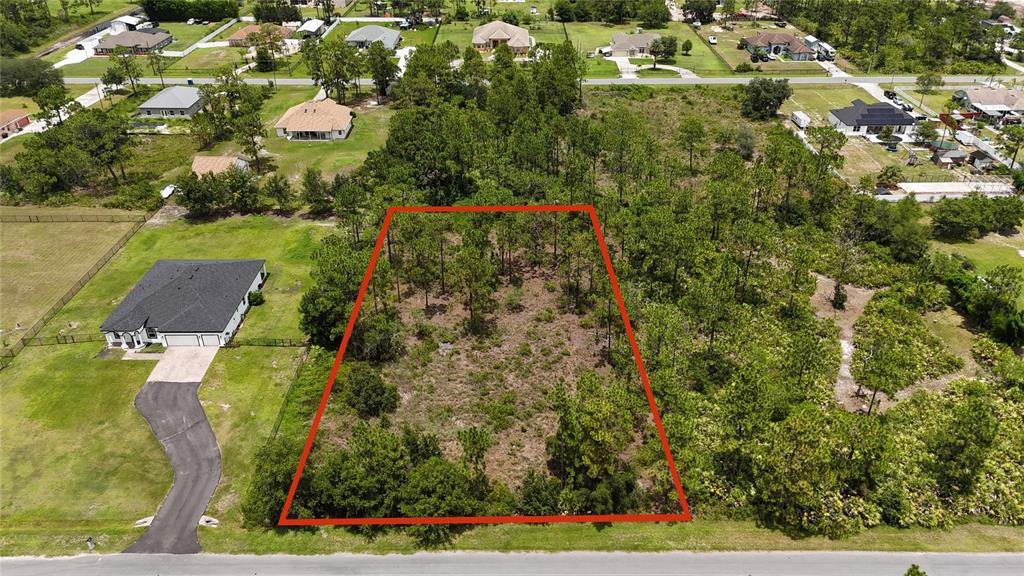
(862,118)
(311,27)
(185,303)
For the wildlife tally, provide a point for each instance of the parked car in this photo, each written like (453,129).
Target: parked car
(890,94)
(772,56)
(765,58)
(754,58)
(780,24)
(907,107)
(712,39)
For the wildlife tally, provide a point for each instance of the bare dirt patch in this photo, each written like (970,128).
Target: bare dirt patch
(857,299)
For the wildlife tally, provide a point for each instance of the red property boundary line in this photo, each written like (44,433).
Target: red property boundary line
(683,516)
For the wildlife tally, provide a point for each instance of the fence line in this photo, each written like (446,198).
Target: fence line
(64,339)
(50,218)
(288,393)
(7,353)
(270,342)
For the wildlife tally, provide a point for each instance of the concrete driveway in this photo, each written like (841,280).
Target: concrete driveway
(170,403)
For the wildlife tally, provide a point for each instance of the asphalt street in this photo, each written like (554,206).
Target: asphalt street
(950,80)
(492,563)
(179,422)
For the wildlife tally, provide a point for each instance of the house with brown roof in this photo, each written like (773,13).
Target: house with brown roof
(240,39)
(12,121)
(316,120)
(494,34)
(780,45)
(217,164)
(632,45)
(139,41)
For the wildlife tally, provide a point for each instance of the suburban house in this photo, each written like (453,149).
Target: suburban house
(217,164)
(862,118)
(995,102)
(363,37)
(139,41)
(632,45)
(780,45)
(185,303)
(949,158)
(493,34)
(1004,22)
(240,39)
(981,161)
(174,101)
(12,121)
(311,27)
(316,120)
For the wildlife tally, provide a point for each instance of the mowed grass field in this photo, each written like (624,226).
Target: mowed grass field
(369,132)
(186,35)
(79,460)
(75,450)
(989,252)
(286,244)
(39,262)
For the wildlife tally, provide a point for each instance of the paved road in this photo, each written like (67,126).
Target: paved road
(950,80)
(576,563)
(179,422)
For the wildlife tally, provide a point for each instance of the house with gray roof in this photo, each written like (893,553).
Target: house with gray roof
(185,303)
(363,37)
(863,118)
(632,45)
(174,101)
(138,41)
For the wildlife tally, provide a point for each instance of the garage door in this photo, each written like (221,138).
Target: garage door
(182,340)
(211,340)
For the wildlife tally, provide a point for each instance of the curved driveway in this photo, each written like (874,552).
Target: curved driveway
(179,422)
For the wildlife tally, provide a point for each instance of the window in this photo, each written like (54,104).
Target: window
(151,333)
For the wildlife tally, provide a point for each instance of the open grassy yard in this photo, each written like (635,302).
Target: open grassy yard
(186,35)
(41,261)
(934,101)
(204,61)
(816,101)
(702,59)
(589,36)
(23,103)
(458,33)
(242,394)
(601,68)
(989,252)
(728,48)
(369,132)
(419,36)
(76,452)
(286,245)
(88,68)
(864,157)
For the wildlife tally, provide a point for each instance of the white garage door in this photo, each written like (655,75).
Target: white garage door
(211,340)
(182,339)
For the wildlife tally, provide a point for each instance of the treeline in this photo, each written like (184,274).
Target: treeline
(182,10)
(651,13)
(975,216)
(899,36)
(276,11)
(22,23)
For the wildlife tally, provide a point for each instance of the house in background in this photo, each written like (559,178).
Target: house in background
(174,101)
(949,158)
(185,303)
(632,45)
(311,28)
(494,34)
(862,118)
(240,39)
(139,41)
(125,23)
(780,45)
(981,161)
(363,37)
(12,122)
(317,120)
(217,164)
(996,103)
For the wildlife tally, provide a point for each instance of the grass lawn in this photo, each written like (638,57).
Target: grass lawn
(369,132)
(816,101)
(989,252)
(286,245)
(657,73)
(76,452)
(458,33)
(589,36)
(547,32)
(186,35)
(242,394)
(934,101)
(702,59)
(728,48)
(23,103)
(80,20)
(601,68)
(88,68)
(227,32)
(204,62)
(863,157)
(40,262)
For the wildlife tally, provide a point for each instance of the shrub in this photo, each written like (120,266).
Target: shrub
(256,297)
(138,196)
(744,68)
(181,10)
(376,337)
(367,393)
(537,495)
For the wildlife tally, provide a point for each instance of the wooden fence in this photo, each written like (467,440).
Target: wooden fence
(273,342)
(29,335)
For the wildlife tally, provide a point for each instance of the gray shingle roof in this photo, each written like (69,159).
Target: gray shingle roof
(622,41)
(373,33)
(185,296)
(183,97)
(880,114)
